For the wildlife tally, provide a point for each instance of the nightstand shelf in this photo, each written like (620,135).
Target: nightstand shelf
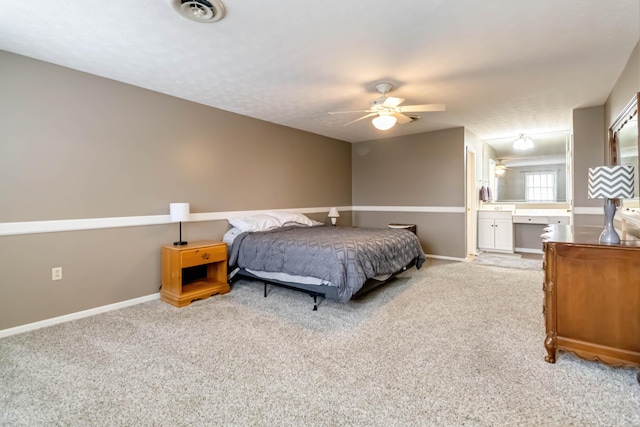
(193,271)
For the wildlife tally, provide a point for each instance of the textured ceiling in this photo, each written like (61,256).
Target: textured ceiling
(503,67)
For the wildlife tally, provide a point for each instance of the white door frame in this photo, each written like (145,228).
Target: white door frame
(470,202)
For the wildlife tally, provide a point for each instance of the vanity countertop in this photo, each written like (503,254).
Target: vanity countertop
(493,208)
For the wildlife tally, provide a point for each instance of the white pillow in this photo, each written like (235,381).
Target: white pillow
(231,235)
(260,222)
(293,217)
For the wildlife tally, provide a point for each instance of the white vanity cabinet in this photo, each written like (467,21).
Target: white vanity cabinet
(495,231)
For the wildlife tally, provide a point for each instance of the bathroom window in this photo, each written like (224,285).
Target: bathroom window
(540,187)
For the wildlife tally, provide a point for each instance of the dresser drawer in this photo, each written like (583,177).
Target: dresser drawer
(193,257)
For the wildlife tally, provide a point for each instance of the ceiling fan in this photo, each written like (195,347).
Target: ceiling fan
(500,167)
(389,111)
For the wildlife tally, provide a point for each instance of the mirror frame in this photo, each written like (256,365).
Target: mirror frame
(627,114)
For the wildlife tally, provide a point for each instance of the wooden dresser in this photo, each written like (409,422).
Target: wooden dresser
(591,296)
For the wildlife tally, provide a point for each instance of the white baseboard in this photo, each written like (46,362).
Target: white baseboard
(529,251)
(78,315)
(450,258)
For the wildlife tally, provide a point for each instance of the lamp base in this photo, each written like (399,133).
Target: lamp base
(180,242)
(609,235)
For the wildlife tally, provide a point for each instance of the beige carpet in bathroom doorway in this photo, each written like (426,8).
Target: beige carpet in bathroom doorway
(530,262)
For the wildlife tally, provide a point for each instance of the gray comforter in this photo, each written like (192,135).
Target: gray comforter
(346,257)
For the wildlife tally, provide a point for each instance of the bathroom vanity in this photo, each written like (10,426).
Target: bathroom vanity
(507,228)
(495,230)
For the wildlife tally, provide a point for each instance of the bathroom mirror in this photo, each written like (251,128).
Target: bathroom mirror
(623,145)
(535,175)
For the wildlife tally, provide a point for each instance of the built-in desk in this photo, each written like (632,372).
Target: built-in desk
(541,216)
(529,224)
(591,296)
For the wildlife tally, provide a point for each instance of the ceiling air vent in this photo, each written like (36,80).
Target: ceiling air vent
(200,10)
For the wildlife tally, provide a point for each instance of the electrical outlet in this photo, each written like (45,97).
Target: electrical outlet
(56,273)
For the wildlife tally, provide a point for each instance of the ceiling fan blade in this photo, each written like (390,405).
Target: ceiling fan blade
(422,108)
(402,119)
(360,118)
(353,111)
(392,102)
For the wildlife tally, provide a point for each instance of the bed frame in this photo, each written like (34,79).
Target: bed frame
(315,291)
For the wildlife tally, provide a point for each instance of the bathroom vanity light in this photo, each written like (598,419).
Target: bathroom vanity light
(523,143)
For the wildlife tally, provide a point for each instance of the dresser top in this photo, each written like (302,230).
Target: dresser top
(582,235)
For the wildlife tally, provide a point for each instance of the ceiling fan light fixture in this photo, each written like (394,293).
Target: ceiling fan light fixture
(500,169)
(523,143)
(384,122)
(389,111)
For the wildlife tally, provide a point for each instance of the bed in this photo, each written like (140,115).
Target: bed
(336,263)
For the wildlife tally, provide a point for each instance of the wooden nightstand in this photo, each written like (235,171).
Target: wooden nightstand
(193,271)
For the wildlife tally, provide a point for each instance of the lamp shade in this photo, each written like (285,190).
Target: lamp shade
(384,122)
(333,213)
(179,212)
(611,182)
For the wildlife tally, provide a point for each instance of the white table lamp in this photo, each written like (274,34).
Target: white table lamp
(334,215)
(179,212)
(610,182)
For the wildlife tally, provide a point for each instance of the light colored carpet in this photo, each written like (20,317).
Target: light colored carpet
(532,262)
(451,344)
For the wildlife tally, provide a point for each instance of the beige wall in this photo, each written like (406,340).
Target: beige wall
(590,127)
(527,236)
(423,171)
(588,139)
(626,87)
(79,146)
(74,145)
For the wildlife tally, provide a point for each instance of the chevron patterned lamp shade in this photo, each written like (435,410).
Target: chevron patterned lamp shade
(610,182)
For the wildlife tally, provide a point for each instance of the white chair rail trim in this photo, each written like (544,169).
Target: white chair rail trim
(588,210)
(423,209)
(54,226)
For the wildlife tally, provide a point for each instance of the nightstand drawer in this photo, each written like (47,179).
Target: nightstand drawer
(193,257)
